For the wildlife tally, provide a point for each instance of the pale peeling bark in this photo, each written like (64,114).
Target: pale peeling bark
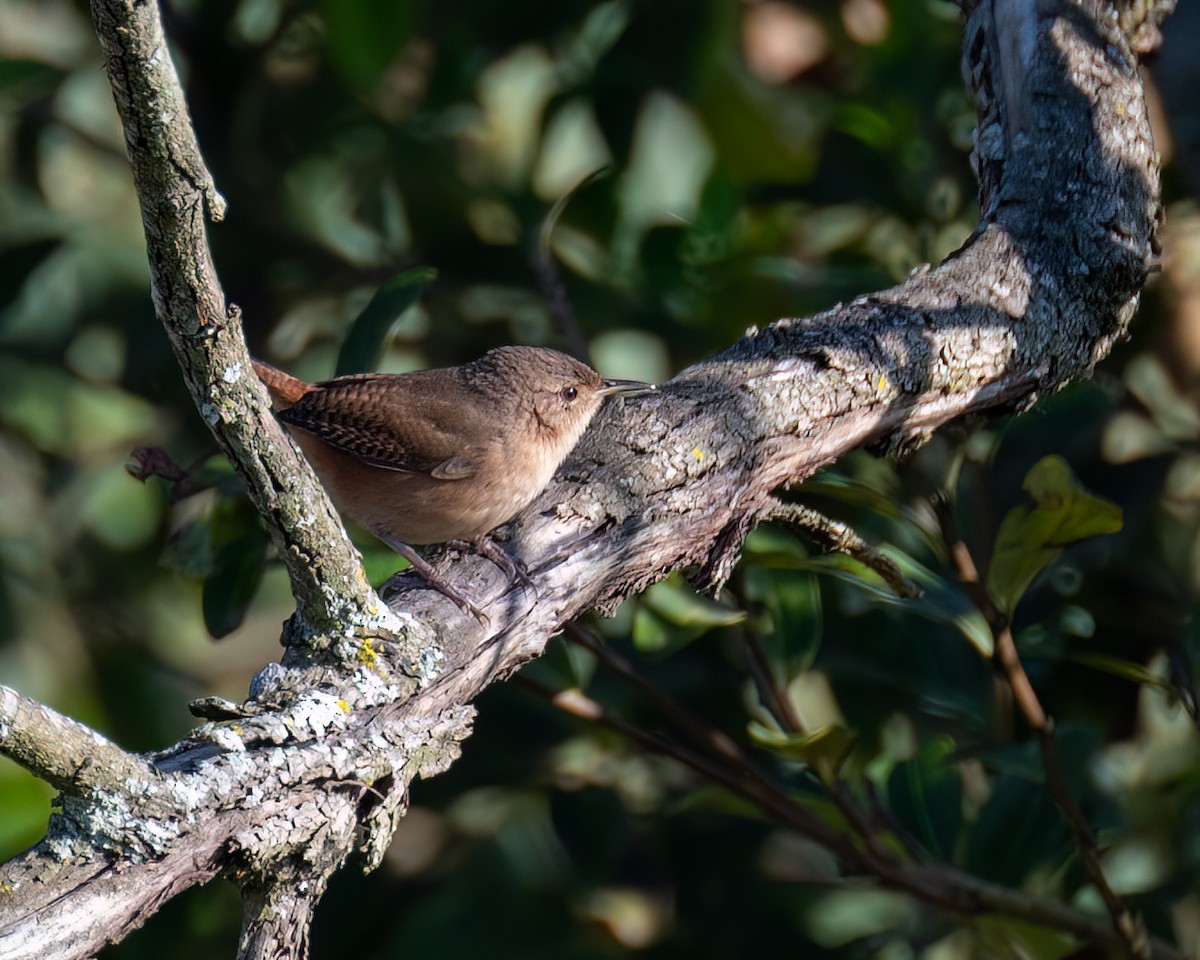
(366,700)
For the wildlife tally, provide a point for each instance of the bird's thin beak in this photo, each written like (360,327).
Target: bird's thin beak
(625,388)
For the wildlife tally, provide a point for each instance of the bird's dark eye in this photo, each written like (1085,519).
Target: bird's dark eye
(568,393)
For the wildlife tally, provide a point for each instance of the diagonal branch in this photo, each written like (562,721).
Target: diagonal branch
(174,189)
(366,698)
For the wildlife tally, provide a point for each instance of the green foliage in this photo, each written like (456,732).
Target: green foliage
(1031,537)
(825,749)
(367,337)
(364,145)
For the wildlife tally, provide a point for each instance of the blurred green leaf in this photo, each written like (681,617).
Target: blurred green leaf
(793,603)
(1034,535)
(365,343)
(1134,672)
(18,262)
(679,604)
(65,416)
(26,799)
(227,547)
(1174,413)
(925,794)
(1018,831)
(670,615)
(825,750)
(15,72)
(365,36)
(937,600)
(228,591)
(1004,937)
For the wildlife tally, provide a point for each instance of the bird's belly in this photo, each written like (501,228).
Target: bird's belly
(433,511)
(415,508)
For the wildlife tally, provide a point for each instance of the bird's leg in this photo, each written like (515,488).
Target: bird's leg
(432,577)
(486,547)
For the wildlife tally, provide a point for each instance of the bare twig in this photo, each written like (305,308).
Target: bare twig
(702,733)
(772,694)
(1128,924)
(939,885)
(840,537)
(771,800)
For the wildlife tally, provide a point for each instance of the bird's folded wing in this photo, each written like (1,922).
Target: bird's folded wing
(380,432)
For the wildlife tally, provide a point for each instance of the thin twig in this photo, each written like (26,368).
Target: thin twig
(772,695)
(708,737)
(780,705)
(1129,925)
(772,801)
(842,538)
(877,854)
(935,884)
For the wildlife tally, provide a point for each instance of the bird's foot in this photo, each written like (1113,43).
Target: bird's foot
(435,580)
(486,547)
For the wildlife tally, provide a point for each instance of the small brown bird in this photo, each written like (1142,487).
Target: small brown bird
(443,455)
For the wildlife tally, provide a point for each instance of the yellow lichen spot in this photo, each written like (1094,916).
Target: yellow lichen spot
(884,385)
(343,706)
(697,453)
(367,654)
(6,888)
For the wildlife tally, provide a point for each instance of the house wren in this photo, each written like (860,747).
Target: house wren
(443,455)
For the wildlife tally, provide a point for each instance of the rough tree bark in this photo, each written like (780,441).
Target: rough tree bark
(276,792)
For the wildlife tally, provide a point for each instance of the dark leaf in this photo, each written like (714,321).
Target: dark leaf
(367,339)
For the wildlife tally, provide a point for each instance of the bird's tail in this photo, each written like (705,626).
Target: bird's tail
(285,389)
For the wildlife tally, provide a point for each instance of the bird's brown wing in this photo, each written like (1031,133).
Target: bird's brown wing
(364,417)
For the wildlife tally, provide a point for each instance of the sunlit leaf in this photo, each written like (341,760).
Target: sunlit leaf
(1033,535)
(682,606)
(670,615)
(1174,413)
(824,749)
(1135,672)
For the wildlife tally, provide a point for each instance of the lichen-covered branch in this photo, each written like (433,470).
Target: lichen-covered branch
(66,754)
(1040,292)
(174,191)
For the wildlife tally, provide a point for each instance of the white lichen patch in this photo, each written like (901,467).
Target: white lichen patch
(316,712)
(429,664)
(224,737)
(232,373)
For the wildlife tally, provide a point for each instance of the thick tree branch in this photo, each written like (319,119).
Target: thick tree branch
(1048,282)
